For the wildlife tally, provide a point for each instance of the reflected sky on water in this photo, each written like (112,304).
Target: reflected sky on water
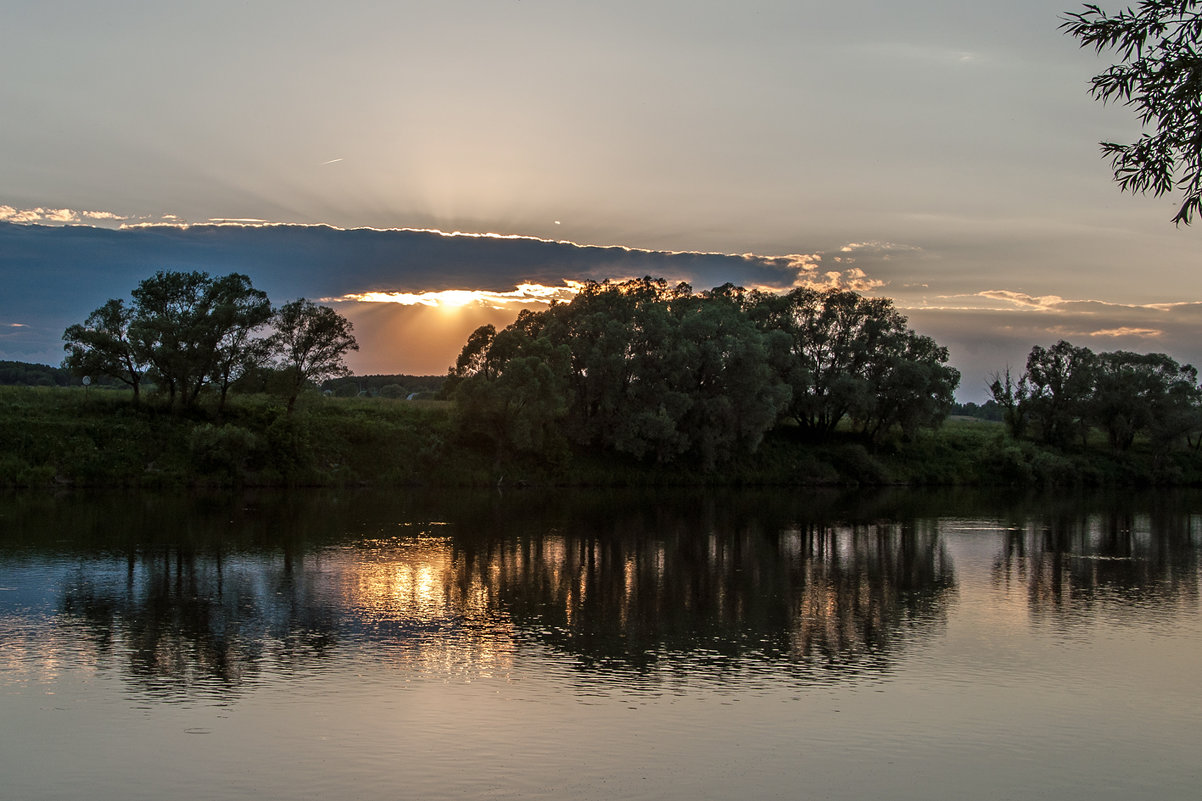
(602,644)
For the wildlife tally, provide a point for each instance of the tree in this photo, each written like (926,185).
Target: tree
(1146,393)
(637,367)
(848,356)
(192,329)
(311,342)
(519,402)
(238,312)
(182,331)
(168,331)
(102,346)
(1061,380)
(910,384)
(1159,74)
(735,396)
(1012,396)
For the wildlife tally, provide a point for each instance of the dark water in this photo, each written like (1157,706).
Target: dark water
(600,645)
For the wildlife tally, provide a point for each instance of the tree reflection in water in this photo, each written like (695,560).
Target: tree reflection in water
(641,590)
(1120,557)
(199,596)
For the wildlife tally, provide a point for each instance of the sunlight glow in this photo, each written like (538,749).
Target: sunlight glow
(458,298)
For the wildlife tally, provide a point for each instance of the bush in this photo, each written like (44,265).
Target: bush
(224,452)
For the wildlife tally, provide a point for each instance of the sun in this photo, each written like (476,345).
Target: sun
(456,298)
(526,294)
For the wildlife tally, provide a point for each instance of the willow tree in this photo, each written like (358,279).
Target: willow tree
(1159,75)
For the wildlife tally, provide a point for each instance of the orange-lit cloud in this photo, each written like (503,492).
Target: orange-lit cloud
(1023,300)
(523,294)
(1127,331)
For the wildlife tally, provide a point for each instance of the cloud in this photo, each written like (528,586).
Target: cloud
(395,283)
(1128,331)
(52,216)
(984,340)
(523,295)
(881,248)
(56,274)
(1023,300)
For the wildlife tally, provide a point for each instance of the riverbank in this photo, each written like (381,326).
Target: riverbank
(98,438)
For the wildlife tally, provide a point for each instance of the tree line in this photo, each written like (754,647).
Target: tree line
(28,374)
(660,372)
(1066,391)
(184,332)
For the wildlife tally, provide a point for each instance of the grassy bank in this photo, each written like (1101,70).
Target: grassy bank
(78,437)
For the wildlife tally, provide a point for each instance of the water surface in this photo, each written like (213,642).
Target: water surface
(599,645)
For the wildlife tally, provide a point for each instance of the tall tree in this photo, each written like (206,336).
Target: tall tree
(735,395)
(1144,393)
(239,312)
(511,389)
(168,331)
(311,341)
(638,367)
(910,386)
(102,346)
(1012,396)
(192,329)
(848,356)
(1061,380)
(1159,74)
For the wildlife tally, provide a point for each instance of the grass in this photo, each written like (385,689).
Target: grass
(92,437)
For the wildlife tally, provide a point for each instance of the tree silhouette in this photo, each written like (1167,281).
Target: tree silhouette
(311,341)
(1159,75)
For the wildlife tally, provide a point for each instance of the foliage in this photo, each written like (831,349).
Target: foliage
(373,385)
(1145,393)
(26,374)
(238,314)
(1061,382)
(311,342)
(522,406)
(636,367)
(226,451)
(62,437)
(662,373)
(1068,390)
(183,331)
(102,346)
(192,329)
(847,356)
(187,330)
(66,436)
(1011,397)
(989,410)
(1159,74)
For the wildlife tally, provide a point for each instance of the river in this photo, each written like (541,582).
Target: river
(600,644)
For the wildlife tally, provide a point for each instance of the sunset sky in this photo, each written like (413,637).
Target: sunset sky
(940,152)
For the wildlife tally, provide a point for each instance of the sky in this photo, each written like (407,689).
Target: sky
(941,153)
